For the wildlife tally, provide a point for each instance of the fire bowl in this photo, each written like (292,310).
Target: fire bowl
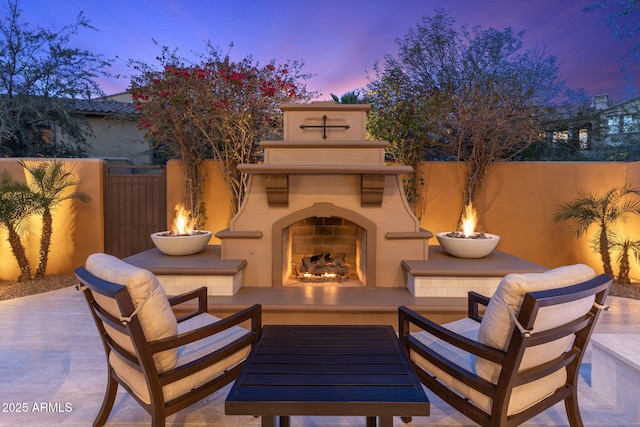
(181,245)
(462,247)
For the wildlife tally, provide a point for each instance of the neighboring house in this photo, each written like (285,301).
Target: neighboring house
(114,123)
(603,123)
(117,137)
(570,125)
(620,123)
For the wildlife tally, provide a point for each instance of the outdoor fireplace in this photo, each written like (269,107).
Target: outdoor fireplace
(324,190)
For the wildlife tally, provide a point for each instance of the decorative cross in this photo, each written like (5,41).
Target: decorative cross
(324,126)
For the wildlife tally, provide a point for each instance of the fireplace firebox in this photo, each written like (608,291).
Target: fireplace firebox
(323,250)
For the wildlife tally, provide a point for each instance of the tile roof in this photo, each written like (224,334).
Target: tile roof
(101,106)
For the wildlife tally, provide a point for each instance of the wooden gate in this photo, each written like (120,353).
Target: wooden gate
(135,206)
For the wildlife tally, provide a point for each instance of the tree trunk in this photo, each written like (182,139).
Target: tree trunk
(623,274)
(604,251)
(45,243)
(20,255)
(475,178)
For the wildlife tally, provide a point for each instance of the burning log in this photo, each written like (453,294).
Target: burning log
(324,264)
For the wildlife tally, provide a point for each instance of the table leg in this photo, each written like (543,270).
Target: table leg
(268,421)
(371,422)
(385,421)
(284,421)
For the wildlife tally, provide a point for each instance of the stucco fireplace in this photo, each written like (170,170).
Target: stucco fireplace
(324,191)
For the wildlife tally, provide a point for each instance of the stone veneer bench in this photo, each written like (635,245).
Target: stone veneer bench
(615,370)
(179,274)
(443,275)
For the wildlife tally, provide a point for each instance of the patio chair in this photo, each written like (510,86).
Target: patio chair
(165,363)
(518,358)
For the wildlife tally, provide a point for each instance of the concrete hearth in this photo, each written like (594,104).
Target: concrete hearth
(442,276)
(447,276)
(180,274)
(437,287)
(325,168)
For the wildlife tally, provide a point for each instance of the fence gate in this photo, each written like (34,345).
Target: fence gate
(135,206)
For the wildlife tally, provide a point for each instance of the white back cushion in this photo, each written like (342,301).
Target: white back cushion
(497,324)
(155,315)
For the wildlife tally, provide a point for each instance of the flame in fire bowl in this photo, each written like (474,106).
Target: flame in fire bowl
(183,239)
(468,243)
(175,244)
(475,246)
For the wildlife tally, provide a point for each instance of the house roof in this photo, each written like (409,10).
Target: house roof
(629,106)
(102,106)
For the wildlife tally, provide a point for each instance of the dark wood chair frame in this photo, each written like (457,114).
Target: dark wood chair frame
(143,359)
(511,358)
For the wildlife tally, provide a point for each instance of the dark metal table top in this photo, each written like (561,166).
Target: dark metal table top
(327,370)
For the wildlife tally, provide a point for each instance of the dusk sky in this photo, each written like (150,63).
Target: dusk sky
(338,40)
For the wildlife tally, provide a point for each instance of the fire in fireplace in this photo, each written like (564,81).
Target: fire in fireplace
(324,249)
(323,268)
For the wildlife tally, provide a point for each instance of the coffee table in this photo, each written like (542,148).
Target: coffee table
(327,370)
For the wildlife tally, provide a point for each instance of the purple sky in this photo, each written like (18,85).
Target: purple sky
(339,40)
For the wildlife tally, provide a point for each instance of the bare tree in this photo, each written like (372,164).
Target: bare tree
(480,94)
(40,76)
(622,16)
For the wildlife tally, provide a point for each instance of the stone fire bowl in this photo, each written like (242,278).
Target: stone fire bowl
(468,248)
(181,245)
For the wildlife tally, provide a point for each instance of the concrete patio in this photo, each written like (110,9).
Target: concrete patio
(52,368)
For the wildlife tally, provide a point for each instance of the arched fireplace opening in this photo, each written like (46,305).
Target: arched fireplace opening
(328,229)
(324,251)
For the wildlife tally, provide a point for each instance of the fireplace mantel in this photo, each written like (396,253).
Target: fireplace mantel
(277,183)
(262,169)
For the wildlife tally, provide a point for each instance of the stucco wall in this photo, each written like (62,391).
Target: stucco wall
(77,227)
(216,196)
(518,203)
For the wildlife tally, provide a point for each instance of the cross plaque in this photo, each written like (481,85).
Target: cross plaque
(324,126)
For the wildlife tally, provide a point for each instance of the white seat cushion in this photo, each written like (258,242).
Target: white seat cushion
(187,354)
(155,315)
(521,398)
(465,327)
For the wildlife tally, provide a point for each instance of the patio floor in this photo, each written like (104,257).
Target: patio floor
(52,368)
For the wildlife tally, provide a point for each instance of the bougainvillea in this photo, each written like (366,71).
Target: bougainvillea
(217,108)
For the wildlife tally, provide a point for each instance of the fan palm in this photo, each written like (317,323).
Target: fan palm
(17,203)
(50,182)
(604,211)
(624,247)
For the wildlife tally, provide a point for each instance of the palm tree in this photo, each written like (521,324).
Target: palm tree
(49,184)
(16,204)
(604,211)
(352,97)
(625,246)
